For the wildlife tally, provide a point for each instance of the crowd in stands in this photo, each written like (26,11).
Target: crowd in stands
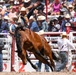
(60,14)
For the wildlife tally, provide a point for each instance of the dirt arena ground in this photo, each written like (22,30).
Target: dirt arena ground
(38,73)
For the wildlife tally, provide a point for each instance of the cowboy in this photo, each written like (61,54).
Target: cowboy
(42,23)
(43,28)
(4,24)
(23,17)
(64,46)
(33,24)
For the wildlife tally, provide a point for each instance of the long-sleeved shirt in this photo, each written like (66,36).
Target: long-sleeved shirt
(65,45)
(34,27)
(3,27)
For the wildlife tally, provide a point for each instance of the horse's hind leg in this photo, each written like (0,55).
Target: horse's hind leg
(40,57)
(50,56)
(30,62)
(51,60)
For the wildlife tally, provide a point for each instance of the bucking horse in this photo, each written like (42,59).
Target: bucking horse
(27,40)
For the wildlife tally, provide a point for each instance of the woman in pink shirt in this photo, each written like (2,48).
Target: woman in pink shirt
(12,13)
(56,7)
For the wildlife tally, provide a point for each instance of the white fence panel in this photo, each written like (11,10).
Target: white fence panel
(19,67)
(6,52)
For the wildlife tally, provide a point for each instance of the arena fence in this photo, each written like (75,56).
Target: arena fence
(11,62)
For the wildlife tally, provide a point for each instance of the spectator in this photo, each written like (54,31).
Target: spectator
(11,2)
(39,64)
(68,23)
(70,0)
(60,18)
(40,6)
(27,3)
(73,18)
(49,8)
(73,22)
(44,28)
(12,27)
(71,10)
(74,4)
(16,2)
(39,67)
(43,24)
(6,21)
(56,5)
(1,55)
(33,24)
(56,25)
(51,24)
(12,13)
(63,27)
(23,17)
(63,9)
(36,13)
(15,8)
(4,24)
(3,9)
(15,19)
(64,46)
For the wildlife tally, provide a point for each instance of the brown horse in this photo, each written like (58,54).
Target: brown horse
(28,40)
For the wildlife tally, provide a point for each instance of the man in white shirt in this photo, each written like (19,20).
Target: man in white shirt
(64,44)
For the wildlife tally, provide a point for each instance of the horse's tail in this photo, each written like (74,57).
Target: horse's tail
(55,56)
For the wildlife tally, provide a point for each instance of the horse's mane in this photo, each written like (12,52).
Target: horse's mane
(17,36)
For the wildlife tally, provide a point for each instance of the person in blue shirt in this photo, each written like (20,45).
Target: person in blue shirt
(4,25)
(33,24)
(63,27)
(70,0)
(43,25)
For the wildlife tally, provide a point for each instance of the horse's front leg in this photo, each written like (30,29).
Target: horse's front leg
(23,54)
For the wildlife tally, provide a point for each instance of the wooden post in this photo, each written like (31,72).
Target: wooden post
(46,2)
(13,53)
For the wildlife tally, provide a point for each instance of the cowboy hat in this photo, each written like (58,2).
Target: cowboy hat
(41,32)
(31,17)
(67,24)
(6,17)
(26,1)
(70,6)
(23,9)
(64,34)
(41,17)
(67,16)
(55,19)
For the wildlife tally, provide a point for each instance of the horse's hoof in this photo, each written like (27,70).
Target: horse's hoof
(35,67)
